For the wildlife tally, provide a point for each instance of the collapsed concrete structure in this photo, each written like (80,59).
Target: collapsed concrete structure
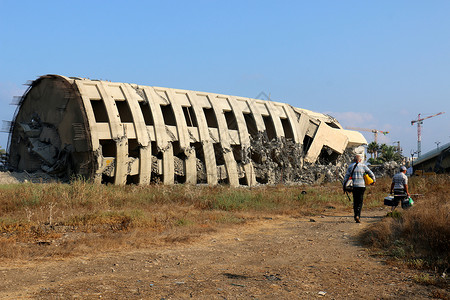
(127,133)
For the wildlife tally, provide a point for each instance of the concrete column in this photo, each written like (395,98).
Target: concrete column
(256,115)
(142,137)
(244,138)
(190,167)
(293,122)
(302,125)
(208,149)
(279,131)
(89,113)
(92,125)
(230,162)
(117,133)
(162,141)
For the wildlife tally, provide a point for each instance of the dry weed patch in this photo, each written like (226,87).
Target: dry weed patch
(419,236)
(50,220)
(45,220)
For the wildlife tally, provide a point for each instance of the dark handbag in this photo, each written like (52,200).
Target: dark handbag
(348,186)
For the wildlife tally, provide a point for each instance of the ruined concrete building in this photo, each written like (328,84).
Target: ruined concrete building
(127,133)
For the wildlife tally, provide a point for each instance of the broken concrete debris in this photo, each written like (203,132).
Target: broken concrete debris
(126,133)
(387,169)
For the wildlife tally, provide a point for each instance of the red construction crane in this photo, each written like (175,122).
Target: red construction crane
(419,122)
(374,131)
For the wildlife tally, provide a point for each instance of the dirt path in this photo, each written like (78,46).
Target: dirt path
(279,258)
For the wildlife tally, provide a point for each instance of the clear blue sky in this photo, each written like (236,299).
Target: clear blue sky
(371,64)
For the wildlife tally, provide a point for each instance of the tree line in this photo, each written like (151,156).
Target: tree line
(383,153)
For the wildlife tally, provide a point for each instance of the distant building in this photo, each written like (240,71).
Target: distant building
(437,160)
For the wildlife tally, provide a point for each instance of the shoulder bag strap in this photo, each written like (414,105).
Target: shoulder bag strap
(353,170)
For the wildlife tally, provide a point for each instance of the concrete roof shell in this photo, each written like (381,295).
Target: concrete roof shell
(133,131)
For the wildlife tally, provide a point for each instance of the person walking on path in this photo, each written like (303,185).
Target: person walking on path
(356,171)
(399,186)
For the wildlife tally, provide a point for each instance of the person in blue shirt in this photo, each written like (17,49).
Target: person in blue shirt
(356,171)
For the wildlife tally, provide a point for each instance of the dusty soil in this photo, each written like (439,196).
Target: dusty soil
(276,258)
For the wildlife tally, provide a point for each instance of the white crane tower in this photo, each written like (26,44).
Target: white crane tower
(419,122)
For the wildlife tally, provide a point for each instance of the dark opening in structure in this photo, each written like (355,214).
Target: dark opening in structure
(99,108)
(332,125)
(220,162)
(256,157)
(124,111)
(238,157)
(231,120)
(218,152)
(133,179)
(189,115)
(307,141)
(262,180)
(177,149)
(237,153)
(328,155)
(154,148)
(243,181)
(201,166)
(107,179)
(155,177)
(109,148)
(169,116)
(251,125)
(211,119)
(133,148)
(147,113)
(270,127)
(287,128)
(179,164)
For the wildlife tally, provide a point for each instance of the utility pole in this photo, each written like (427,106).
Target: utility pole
(412,160)
(399,150)
(437,145)
(419,122)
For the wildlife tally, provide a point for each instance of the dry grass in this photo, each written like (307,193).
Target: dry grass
(51,220)
(58,220)
(419,236)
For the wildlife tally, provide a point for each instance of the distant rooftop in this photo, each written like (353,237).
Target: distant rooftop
(431,154)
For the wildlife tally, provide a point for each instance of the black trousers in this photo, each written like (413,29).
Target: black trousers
(358,197)
(399,196)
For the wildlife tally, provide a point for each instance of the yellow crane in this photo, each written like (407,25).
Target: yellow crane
(374,131)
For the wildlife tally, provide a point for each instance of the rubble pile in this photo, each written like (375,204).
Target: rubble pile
(275,161)
(387,169)
(281,161)
(327,172)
